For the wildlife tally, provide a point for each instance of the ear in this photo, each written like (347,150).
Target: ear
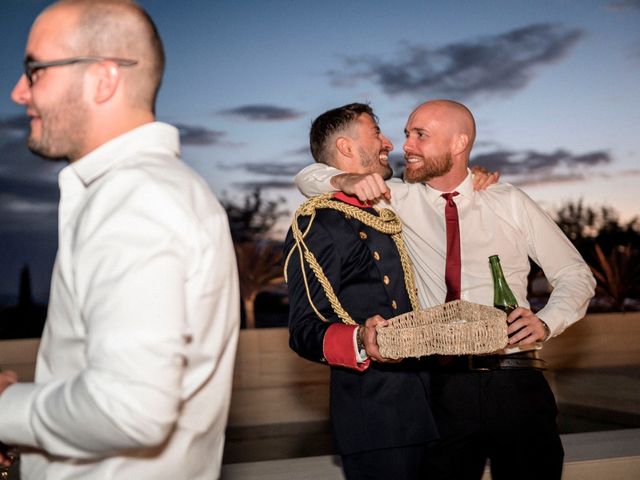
(344,146)
(460,143)
(108,79)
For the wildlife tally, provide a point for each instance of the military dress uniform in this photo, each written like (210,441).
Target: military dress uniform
(374,406)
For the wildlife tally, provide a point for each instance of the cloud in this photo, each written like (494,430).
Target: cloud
(29,204)
(531,167)
(490,65)
(624,5)
(14,124)
(266,113)
(274,168)
(266,184)
(29,188)
(16,161)
(199,136)
(28,184)
(304,150)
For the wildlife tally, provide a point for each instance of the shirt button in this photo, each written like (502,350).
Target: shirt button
(394,304)
(376,255)
(363,235)
(385,279)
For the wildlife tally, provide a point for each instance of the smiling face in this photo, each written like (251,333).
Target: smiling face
(372,147)
(59,116)
(439,137)
(427,148)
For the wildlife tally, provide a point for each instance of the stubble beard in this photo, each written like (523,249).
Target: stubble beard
(373,164)
(432,167)
(62,128)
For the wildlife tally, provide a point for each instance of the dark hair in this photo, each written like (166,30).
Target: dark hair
(330,123)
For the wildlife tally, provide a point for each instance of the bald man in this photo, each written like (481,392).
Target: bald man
(497,406)
(134,371)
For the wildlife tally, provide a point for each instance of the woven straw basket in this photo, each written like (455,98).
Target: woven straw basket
(454,328)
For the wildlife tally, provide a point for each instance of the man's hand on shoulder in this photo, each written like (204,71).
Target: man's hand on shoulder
(482,179)
(367,187)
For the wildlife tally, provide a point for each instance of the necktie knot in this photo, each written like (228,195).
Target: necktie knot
(449,197)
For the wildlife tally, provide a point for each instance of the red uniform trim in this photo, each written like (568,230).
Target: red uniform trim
(350,200)
(338,347)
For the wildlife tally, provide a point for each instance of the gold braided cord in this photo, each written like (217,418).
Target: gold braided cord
(386,222)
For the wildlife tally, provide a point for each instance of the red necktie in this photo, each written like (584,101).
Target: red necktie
(452,273)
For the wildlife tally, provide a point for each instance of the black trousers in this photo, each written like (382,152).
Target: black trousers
(506,416)
(400,463)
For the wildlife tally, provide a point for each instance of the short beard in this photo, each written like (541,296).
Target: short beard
(369,162)
(62,128)
(432,167)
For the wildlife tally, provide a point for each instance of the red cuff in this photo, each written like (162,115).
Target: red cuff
(338,347)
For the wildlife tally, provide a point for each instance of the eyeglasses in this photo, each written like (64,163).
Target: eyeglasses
(32,66)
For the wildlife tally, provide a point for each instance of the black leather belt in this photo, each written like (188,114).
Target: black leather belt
(474,363)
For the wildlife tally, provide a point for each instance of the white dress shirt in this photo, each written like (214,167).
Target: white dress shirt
(133,376)
(501,220)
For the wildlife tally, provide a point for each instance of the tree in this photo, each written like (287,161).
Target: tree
(610,247)
(252,219)
(618,275)
(259,259)
(259,266)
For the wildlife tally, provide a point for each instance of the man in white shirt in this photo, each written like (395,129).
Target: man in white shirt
(133,376)
(495,407)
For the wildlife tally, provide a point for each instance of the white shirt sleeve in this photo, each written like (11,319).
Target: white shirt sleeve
(129,281)
(565,269)
(315,179)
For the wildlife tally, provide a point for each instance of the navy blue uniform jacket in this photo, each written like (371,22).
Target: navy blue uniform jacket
(387,405)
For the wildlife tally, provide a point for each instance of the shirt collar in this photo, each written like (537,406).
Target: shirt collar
(154,135)
(464,189)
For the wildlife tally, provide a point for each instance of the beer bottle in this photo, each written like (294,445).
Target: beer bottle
(503,297)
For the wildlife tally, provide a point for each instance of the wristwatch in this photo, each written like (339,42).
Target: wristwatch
(547,331)
(360,343)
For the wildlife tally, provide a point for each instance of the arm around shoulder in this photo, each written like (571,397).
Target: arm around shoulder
(315,179)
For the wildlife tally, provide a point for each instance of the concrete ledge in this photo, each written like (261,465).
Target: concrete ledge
(280,401)
(19,356)
(588,456)
(598,340)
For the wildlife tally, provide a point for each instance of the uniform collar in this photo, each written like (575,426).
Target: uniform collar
(343,197)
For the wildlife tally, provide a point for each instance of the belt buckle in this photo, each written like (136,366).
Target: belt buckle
(471,368)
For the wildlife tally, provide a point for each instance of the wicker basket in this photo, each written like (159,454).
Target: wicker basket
(454,328)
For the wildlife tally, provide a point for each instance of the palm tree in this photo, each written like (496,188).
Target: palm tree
(617,274)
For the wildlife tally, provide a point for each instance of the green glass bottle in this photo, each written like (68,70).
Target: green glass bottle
(503,297)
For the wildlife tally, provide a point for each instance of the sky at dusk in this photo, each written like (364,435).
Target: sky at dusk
(554,86)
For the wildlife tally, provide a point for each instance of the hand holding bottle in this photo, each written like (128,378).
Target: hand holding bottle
(525,327)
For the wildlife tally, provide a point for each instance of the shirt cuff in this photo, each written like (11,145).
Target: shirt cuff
(16,403)
(339,349)
(361,355)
